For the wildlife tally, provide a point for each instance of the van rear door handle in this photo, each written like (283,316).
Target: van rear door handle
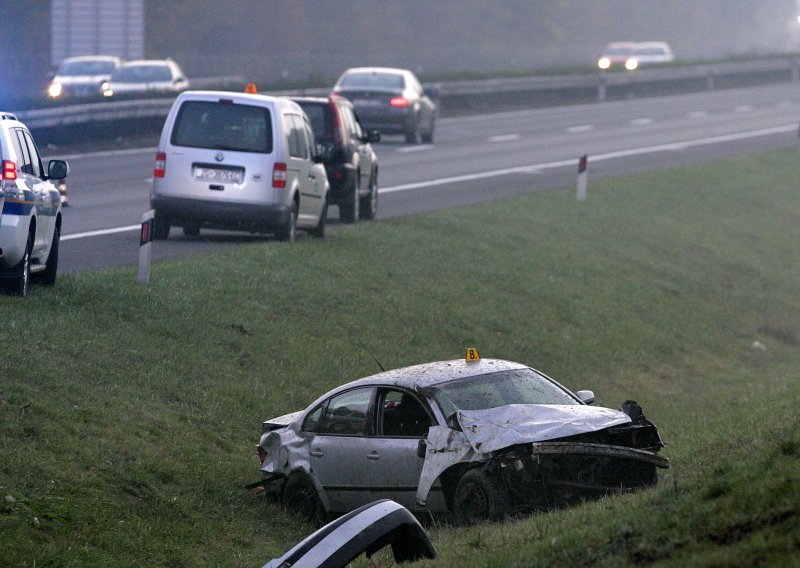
(373,455)
(316,452)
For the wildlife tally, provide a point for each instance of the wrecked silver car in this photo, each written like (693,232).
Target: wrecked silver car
(480,439)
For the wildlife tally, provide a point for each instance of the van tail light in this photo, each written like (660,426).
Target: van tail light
(398,102)
(336,123)
(161,165)
(279,175)
(9,170)
(262,454)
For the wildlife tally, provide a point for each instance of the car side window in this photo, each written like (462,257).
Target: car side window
(402,414)
(313,420)
(35,161)
(298,146)
(310,139)
(23,154)
(346,414)
(352,124)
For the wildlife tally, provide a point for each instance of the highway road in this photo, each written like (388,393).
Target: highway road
(473,160)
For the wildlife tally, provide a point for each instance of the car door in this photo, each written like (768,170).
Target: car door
(358,138)
(31,175)
(402,421)
(337,449)
(300,167)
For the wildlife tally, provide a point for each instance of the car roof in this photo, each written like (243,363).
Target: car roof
(395,70)
(239,98)
(429,374)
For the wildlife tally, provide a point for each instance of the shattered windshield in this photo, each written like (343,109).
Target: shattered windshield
(519,386)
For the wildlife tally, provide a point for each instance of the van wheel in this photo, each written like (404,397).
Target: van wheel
(288,231)
(48,275)
(161,227)
(348,208)
(18,286)
(479,497)
(319,230)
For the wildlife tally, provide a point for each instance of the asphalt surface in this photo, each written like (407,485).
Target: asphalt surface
(473,160)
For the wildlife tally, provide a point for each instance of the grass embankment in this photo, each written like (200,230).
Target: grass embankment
(128,413)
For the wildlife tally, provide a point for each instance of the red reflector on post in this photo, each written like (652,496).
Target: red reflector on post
(9,170)
(161,165)
(399,102)
(279,175)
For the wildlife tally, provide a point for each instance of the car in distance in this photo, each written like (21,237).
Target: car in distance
(350,161)
(615,54)
(82,76)
(238,161)
(30,210)
(146,76)
(390,100)
(477,438)
(649,53)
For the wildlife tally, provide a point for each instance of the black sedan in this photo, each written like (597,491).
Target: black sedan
(390,100)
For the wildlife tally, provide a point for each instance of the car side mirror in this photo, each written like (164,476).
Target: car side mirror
(432,92)
(586,396)
(57,169)
(422,448)
(373,135)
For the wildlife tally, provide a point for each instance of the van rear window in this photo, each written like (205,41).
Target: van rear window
(223,126)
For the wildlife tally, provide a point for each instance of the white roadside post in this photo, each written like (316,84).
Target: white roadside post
(145,244)
(581,194)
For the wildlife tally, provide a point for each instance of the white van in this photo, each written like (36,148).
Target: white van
(240,162)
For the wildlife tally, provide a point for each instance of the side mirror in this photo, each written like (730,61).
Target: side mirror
(57,169)
(373,135)
(421,449)
(586,396)
(432,91)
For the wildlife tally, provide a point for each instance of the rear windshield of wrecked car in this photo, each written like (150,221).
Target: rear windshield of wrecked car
(380,80)
(223,126)
(520,386)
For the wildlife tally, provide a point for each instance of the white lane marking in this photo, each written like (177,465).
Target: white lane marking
(101,232)
(744,108)
(503,138)
(106,153)
(641,121)
(409,149)
(595,158)
(580,128)
(531,168)
(698,114)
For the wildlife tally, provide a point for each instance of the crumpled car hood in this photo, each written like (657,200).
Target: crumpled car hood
(497,428)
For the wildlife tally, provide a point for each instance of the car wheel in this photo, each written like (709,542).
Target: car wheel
(288,231)
(160,227)
(348,208)
(411,135)
(369,204)
(191,230)
(427,138)
(319,230)
(300,496)
(48,275)
(479,497)
(18,286)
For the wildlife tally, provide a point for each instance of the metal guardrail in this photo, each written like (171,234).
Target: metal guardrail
(455,92)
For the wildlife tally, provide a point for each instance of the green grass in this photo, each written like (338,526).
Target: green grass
(129,413)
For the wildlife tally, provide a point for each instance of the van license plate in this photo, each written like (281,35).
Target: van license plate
(216,174)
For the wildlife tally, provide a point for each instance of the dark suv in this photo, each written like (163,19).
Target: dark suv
(350,162)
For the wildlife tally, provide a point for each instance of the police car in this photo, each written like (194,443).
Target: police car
(30,222)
